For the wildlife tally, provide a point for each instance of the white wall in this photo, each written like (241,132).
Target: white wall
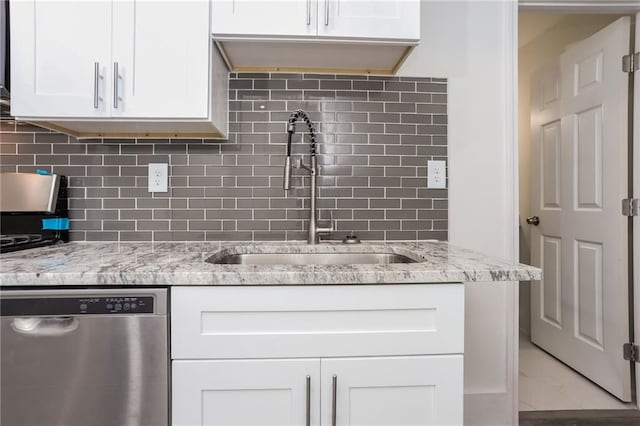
(468,43)
(531,56)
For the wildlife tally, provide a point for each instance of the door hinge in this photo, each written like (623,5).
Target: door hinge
(630,207)
(631,352)
(631,62)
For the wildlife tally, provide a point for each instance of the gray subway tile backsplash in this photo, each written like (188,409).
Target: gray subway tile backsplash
(375,136)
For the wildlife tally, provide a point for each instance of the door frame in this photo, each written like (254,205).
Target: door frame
(576,7)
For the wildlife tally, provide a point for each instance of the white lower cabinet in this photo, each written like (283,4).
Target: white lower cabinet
(386,391)
(378,355)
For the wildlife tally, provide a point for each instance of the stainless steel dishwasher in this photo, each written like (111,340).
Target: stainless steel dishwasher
(84,357)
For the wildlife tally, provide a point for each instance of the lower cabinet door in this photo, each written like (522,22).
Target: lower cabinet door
(245,392)
(392,391)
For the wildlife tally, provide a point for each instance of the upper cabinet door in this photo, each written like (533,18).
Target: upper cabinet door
(60,58)
(259,17)
(383,19)
(160,65)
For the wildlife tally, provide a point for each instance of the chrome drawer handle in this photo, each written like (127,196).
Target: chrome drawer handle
(308,422)
(334,383)
(326,12)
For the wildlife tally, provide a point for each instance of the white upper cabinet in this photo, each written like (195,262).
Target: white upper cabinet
(61,53)
(264,18)
(353,36)
(118,68)
(383,19)
(161,72)
(380,19)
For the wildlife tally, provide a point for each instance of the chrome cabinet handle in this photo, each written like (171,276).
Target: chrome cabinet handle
(326,12)
(115,85)
(334,383)
(308,422)
(533,220)
(96,79)
(308,12)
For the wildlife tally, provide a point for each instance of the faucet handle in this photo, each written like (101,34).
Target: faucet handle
(300,165)
(331,228)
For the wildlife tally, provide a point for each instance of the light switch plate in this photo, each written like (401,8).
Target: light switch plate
(436,174)
(158,177)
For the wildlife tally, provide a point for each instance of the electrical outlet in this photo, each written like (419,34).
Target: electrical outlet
(436,174)
(158,177)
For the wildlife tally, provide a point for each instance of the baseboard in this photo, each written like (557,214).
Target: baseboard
(487,409)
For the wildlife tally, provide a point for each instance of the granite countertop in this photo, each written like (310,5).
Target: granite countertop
(174,263)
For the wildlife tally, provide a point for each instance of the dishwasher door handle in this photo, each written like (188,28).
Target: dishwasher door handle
(44,326)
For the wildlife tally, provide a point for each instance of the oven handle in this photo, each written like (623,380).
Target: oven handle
(44,326)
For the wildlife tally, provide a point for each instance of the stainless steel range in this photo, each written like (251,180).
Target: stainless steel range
(33,210)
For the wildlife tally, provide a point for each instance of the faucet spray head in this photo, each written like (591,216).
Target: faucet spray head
(287,174)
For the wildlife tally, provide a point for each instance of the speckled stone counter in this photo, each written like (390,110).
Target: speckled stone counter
(184,264)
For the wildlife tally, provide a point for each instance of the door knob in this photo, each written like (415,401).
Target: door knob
(533,220)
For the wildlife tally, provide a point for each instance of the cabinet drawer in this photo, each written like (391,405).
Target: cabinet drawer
(316,321)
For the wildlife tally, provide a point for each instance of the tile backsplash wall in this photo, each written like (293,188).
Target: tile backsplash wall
(375,135)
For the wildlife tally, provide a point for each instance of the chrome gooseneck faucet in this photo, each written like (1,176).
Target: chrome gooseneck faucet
(314,229)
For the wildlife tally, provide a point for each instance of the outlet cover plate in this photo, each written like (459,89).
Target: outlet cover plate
(158,177)
(436,174)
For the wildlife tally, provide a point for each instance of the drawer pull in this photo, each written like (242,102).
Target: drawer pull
(326,12)
(308,422)
(334,385)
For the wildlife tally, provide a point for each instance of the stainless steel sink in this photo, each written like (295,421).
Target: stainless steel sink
(310,259)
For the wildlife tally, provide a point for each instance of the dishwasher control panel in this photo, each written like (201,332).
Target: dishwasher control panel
(68,306)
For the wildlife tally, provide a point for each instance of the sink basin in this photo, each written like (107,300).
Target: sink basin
(311,259)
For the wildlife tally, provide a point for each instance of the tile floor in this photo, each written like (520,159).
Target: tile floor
(548,384)
(580,418)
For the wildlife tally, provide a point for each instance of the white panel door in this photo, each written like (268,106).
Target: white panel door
(547,203)
(579,174)
(246,392)
(161,51)
(264,18)
(388,19)
(61,54)
(636,194)
(407,391)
